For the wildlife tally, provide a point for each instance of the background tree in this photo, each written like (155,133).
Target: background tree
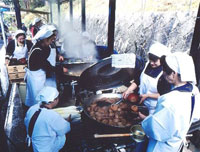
(31,4)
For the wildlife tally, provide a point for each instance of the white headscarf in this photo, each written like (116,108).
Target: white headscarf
(183,64)
(36,20)
(19,32)
(42,34)
(159,49)
(47,94)
(48,27)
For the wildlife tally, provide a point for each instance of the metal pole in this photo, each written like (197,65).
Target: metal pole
(195,47)
(58,12)
(83,15)
(17,13)
(2,29)
(111,25)
(71,10)
(51,15)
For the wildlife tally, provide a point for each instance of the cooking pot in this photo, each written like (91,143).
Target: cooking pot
(76,66)
(96,123)
(137,133)
(102,76)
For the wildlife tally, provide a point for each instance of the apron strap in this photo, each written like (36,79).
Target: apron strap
(192,106)
(32,122)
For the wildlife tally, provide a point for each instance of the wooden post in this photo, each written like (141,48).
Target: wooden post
(58,12)
(71,10)
(111,25)
(17,13)
(51,15)
(83,15)
(195,47)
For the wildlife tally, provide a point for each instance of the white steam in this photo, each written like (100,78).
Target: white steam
(76,45)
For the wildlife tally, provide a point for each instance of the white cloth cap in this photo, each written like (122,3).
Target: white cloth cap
(183,64)
(19,32)
(49,27)
(36,20)
(47,94)
(42,34)
(159,49)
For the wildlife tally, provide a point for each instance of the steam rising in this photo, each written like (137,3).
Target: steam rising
(76,45)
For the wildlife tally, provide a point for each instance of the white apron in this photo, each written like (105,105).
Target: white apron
(35,81)
(148,85)
(52,59)
(20,51)
(52,56)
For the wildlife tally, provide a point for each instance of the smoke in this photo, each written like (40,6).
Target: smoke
(76,45)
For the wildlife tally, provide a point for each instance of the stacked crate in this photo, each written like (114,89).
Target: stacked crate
(16,73)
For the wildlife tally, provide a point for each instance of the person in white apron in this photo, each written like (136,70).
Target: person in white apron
(54,55)
(149,78)
(17,49)
(38,66)
(167,127)
(49,129)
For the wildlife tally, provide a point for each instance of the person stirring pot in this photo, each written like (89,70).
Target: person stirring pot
(168,125)
(54,54)
(39,68)
(149,78)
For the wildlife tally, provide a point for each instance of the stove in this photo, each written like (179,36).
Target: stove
(81,139)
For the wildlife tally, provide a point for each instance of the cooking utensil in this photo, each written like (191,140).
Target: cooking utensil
(112,135)
(137,133)
(116,103)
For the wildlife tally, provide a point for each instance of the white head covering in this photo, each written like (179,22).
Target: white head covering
(19,32)
(49,27)
(47,94)
(183,64)
(36,20)
(159,49)
(42,34)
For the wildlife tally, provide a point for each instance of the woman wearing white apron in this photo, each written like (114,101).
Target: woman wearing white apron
(149,78)
(54,54)
(38,66)
(167,127)
(51,81)
(17,49)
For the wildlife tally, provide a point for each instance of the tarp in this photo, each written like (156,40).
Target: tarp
(4,9)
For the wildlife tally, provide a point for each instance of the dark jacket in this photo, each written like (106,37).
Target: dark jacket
(11,48)
(38,60)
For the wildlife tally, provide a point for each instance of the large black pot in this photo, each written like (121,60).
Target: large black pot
(102,76)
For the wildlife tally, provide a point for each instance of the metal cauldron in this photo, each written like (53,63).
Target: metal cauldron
(76,66)
(103,128)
